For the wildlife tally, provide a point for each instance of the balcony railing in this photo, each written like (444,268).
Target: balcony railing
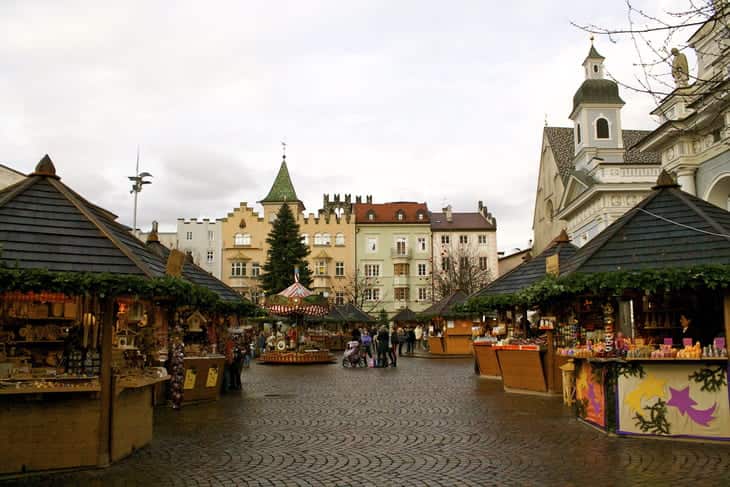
(401,280)
(400,253)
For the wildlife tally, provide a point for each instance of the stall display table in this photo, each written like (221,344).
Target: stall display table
(679,398)
(203,378)
(486,358)
(132,417)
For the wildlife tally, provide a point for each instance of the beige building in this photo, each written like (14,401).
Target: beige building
(330,235)
(9,176)
(510,261)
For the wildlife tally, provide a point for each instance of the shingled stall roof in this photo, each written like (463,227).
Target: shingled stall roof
(444,306)
(348,313)
(461,221)
(405,315)
(531,271)
(563,146)
(388,212)
(44,224)
(668,228)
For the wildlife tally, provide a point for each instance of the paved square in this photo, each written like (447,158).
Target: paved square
(425,423)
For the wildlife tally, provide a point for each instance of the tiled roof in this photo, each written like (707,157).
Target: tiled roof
(445,305)
(461,221)
(348,313)
(563,147)
(282,191)
(528,272)
(388,212)
(643,237)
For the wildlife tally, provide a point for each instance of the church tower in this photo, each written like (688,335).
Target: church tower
(596,116)
(281,192)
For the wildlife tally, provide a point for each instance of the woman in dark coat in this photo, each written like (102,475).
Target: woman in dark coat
(383,347)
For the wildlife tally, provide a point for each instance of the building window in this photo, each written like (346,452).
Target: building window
(483,263)
(255,269)
(238,269)
(326,240)
(318,239)
(482,240)
(445,240)
(339,269)
(400,269)
(305,239)
(371,215)
(372,244)
(420,215)
(602,131)
(401,293)
(399,215)
(577,133)
(372,270)
(422,270)
(189,236)
(340,239)
(422,244)
(339,298)
(463,263)
(372,294)
(241,239)
(463,239)
(445,263)
(422,294)
(210,256)
(321,267)
(400,246)
(211,235)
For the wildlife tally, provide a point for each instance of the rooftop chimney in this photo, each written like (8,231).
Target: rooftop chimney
(449,216)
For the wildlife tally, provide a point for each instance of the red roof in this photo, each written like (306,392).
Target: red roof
(388,212)
(461,221)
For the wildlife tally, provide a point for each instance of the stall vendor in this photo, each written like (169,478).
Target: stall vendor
(689,330)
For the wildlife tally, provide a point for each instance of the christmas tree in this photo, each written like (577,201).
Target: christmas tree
(286,252)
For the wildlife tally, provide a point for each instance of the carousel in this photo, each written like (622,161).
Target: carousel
(296,303)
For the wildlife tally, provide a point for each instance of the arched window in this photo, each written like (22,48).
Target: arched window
(340,239)
(326,239)
(399,215)
(317,239)
(602,131)
(577,133)
(420,215)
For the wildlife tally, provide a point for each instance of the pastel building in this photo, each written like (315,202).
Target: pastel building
(9,176)
(201,239)
(393,255)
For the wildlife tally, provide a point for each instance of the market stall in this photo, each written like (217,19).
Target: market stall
(485,354)
(525,354)
(80,310)
(453,332)
(335,328)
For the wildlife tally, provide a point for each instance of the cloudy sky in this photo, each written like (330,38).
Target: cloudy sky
(442,102)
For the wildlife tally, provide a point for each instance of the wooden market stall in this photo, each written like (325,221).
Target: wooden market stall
(526,364)
(79,320)
(638,371)
(453,334)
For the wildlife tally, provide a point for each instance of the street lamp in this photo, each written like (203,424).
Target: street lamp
(138,181)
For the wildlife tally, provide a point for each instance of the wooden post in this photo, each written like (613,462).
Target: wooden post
(550,360)
(107,324)
(726,309)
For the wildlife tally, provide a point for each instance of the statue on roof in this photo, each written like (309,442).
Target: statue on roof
(680,68)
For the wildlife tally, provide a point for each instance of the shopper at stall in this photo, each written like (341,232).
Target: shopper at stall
(400,340)
(410,340)
(418,332)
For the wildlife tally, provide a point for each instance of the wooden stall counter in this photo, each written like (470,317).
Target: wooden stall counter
(132,414)
(522,368)
(436,345)
(486,358)
(203,378)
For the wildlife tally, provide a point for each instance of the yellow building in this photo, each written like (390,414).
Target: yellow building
(330,236)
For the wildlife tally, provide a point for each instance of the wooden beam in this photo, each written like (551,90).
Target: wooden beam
(107,324)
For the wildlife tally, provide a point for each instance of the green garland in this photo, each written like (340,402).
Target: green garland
(178,291)
(552,288)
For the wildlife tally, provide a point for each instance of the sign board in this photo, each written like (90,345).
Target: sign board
(719,343)
(449,324)
(189,379)
(175,262)
(687,342)
(212,379)
(668,341)
(552,265)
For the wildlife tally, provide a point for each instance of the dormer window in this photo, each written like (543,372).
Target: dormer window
(371,215)
(602,130)
(400,216)
(420,216)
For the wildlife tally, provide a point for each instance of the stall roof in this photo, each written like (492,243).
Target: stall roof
(45,224)
(404,315)
(668,228)
(444,306)
(348,313)
(530,271)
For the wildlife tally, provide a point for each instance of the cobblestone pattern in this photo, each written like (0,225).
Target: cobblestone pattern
(426,423)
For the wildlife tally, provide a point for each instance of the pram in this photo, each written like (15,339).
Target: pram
(355,355)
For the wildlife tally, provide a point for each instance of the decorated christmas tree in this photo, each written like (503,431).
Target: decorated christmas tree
(286,252)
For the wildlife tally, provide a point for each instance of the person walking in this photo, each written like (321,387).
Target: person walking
(392,348)
(410,339)
(401,340)
(383,347)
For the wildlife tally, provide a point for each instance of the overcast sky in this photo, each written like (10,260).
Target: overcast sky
(433,101)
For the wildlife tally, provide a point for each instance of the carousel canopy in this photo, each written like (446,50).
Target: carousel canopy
(296,290)
(297,300)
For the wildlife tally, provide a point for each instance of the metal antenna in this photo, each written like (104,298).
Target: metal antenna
(138,180)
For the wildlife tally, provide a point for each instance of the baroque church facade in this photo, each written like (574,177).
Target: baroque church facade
(590,174)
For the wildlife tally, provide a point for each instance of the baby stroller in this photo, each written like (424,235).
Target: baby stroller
(355,355)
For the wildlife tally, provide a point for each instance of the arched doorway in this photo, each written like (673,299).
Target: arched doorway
(719,192)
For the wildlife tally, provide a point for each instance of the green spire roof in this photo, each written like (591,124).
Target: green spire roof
(282,190)
(593,54)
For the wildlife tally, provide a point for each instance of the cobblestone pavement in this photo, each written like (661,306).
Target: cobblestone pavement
(426,423)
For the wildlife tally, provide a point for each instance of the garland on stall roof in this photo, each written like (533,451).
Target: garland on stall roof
(178,291)
(552,288)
